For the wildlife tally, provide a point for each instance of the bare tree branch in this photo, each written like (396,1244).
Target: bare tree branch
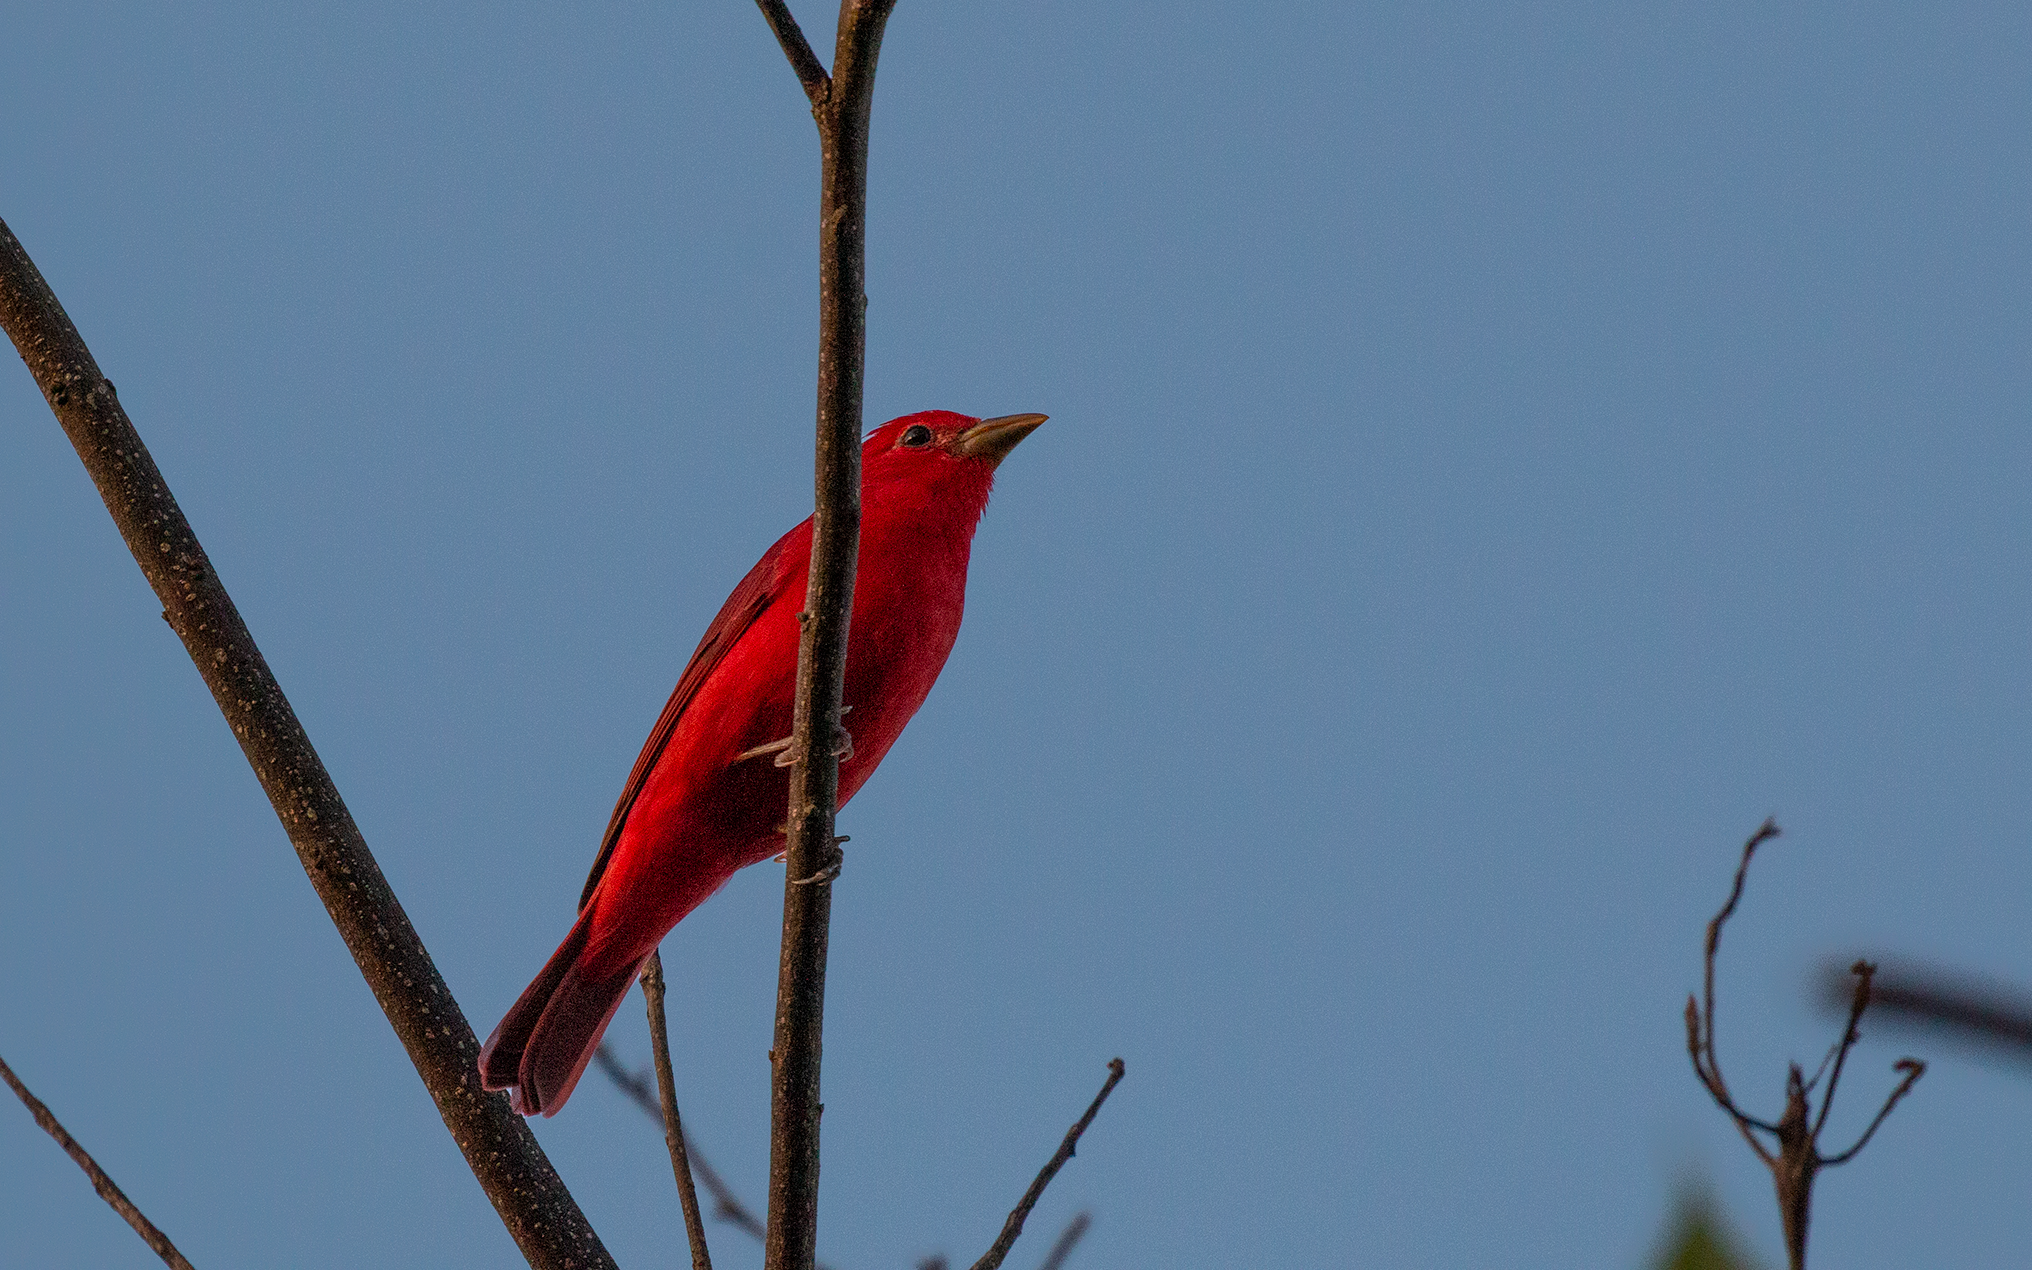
(673,1124)
(1860,1002)
(1913,1070)
(1014,1226)
(726,1205)
(504,1156)
(817,84)
(1936,1002)
(1068,1239)
(1700,1041)
(812,853)
(104,1185)
(1798,1159)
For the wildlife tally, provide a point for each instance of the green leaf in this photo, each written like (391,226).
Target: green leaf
(1699,1239)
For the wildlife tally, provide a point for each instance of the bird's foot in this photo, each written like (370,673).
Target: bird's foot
(771,748)
(787,753)
(826,874)
(831,869)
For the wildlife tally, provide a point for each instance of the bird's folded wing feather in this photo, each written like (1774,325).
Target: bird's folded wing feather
(754,595)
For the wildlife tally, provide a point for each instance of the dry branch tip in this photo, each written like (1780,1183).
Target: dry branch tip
(104,1185)
(1798,1158)
(1014,1225)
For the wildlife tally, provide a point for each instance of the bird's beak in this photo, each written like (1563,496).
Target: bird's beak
(992,439)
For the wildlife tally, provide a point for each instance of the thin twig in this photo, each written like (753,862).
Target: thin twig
(727,1206)
(1913,1070)
(108,1191)
(1014,1226)
(812,850)
(1826,1060)
(1068,1239)
(673,1124)
(503,1154)
(1700,1024)
(1765,832)
(1860,1002)
(817,84)
(1798,1159)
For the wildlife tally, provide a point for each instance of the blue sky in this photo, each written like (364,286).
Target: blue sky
(1499,454)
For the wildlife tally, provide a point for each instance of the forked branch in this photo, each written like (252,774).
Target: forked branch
(817,84)
(1798,1158)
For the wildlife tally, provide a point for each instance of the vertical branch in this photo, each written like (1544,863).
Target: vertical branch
(673,1124)
(812,849)
(500,1150)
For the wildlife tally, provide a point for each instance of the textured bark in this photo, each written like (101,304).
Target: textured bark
(539,1212)
(840,106)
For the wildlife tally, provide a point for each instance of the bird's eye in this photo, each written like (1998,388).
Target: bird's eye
(916,435)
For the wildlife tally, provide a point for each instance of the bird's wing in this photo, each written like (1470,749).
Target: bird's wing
(762,585)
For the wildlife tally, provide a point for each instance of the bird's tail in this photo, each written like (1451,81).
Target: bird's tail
(548,1036)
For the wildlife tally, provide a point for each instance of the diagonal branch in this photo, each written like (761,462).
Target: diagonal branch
(1014,1226)
(727,1206)
(104,1185)
(812,853)
(504,1156)
(1712,1082)
(673,1124)
(1860,1002)
(817,84)
(1075,1230)
(1913,1070)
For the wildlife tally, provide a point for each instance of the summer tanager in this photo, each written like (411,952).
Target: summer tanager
(711,789)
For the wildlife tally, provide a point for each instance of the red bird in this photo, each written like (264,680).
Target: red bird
(710,791)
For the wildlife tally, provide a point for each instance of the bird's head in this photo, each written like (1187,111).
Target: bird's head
(937,446)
